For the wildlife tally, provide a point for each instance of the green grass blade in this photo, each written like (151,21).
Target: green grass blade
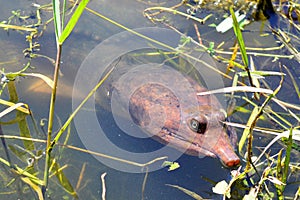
(57,19)
(64,14)
(71,24)
(238,33)
(33,186)
(247,131)
(20,171)
(287,159)
(23,126)
(24,131)
(62,178)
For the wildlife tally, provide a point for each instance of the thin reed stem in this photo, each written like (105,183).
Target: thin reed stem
(50,118)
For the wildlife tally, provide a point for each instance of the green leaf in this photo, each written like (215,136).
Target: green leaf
(23,126)
(33,186)
(252,118)
(212,25)
(172,165)
(238,33)
(19,171)
(74,19)
(57,19)
(63,180)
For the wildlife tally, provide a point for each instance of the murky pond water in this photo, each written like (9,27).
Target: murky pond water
(126,181)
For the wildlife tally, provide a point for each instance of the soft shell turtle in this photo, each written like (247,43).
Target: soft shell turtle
(163,102)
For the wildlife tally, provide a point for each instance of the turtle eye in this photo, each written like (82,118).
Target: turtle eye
(198,127)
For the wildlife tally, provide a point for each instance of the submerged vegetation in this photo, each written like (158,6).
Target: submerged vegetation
(257,94)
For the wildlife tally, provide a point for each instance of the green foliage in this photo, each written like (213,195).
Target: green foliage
(23,127)
(73,21)
(239,36)
(172,165)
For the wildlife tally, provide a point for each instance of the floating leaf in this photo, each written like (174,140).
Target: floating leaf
(172,165)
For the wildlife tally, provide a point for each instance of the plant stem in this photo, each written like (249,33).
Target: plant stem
(285,170)
(50,118)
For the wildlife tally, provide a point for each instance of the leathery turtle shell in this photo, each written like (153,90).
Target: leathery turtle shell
(163,102)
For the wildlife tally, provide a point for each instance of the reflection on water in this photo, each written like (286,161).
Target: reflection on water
(90,31)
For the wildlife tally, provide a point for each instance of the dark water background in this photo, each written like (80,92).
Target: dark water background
(90,31)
